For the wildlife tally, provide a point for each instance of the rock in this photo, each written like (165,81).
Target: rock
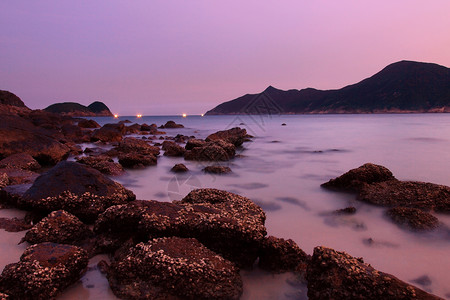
(280,255)
(174,268)
(133,129)
(76,188)
(18,135)
(137,160)
(4,180)
(354,179)
(212,151)
(4,296)
(133,145)
(337,275)
(44,271)
(283,124)
(58,227)
(216,169)
(102,163)
(75,134)
(12,194)
(109,133)
(226,223)
(84,123)
(179,138)
(16,176)
(413,218)
(172,149)
(345,211)
(235,136)
(23,161)
(171,124)
(8,98)
(192,143)
(151,128)
(425,196)
(179,168)
(14,224)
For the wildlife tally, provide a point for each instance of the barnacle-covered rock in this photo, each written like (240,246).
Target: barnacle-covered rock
(44,270)
(103,163)
(172,149)
(137,160)
(23,161)
(235,136)
(75,188)
(338,275)
(58,227)
(174,268)
(413,218)
(216,169)
(134,145)
(179,168)
(217,150)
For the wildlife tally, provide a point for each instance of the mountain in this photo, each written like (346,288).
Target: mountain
(95,109)
(10,103)
(404,86)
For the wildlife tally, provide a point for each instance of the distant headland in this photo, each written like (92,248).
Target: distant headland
(401,87)
(95,109)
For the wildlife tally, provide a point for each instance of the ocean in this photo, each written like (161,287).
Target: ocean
(282,168)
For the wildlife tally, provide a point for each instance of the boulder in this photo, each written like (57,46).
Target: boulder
(192,143)
(15,224)
(212,151)
(355,179)
(337,275)
(134,145)
(84,123)
(102,163)
(172,149)
(174,268)
(179,168)
(137,160)
(216,169)
(17,176)
(18,135)
(413,218)
(76,188)
(44,271)
(235,136)
(11,195)
(58,227)
(279,255)
(75,134)
(422,195)
(109,133)
(23,161)
(171,124)
(8,98)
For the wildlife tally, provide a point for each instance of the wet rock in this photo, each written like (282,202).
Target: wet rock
(76,188)
(171,124)
(179,168)
(23,161)
(212,151)
(75,134)
(136,160)
(179,138)
(88,124)
(44,271)
(134,145)
(14,224)
(58,227)
(4,180)
(151,128)
(355,179)
(216,169)
(280,255)
(424,280)
(102,163)
(172,149)
(413,218)
(422,195)
(109,133)
(235,136)
(174,268)
(18,135)
(345,211)
(192,143)
(283,124)
(16,176)
(133,129)
(12,194)
(337,275)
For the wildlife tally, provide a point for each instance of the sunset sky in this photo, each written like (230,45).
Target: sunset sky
(169,57)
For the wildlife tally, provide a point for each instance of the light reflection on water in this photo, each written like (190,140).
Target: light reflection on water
(284,177)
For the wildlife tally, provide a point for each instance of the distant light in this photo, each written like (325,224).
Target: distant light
(139,115)
(116,116)
(184,115)
(202,115)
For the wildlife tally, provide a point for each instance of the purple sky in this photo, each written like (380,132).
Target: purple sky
(170,57)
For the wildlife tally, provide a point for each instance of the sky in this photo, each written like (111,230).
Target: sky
(170,57)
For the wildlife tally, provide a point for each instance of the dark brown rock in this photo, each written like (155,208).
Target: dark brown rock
(422,195)
(134,145)
(413,218)
(102,163)
(337,275)
(280,255)
(109,133)
(58,227)
(76,188)
(235,136)
(8,98)
(216,169)
(174,268)
(4,179)
(18,135)
(11,195)
(355,179)
(84,123)
(14,224)
(179,168)
(137,160)
(172,149)
(75,134)
(346,211)
(23,161)
(192,143)
(44,271)
(17,176)
(171,124)
(212,151)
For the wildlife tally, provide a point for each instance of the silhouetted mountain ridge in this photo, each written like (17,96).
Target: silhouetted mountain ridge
(78,110)
(404,86)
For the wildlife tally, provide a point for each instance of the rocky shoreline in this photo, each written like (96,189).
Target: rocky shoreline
(187,249)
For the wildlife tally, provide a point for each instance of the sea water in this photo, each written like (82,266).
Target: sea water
(282,168)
